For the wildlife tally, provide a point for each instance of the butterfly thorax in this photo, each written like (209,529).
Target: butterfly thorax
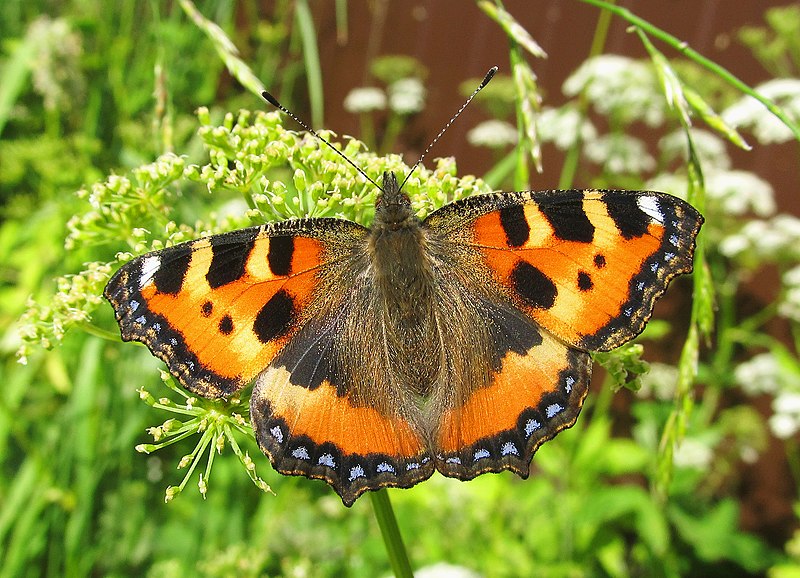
(397,247)
(404,283)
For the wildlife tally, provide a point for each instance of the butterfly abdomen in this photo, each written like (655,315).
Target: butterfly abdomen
(405,294)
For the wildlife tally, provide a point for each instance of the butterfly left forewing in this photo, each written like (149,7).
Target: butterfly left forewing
(218,309)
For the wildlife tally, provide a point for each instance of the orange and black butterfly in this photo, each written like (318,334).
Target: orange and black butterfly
(458,343)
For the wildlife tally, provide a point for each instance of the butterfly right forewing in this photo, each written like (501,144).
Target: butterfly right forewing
(586,265)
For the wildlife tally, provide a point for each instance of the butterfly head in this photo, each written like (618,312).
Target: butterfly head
(393,207)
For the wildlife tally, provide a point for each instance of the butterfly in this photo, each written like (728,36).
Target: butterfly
(458,343)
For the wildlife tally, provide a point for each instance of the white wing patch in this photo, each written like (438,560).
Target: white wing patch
(650,206)
(150,265)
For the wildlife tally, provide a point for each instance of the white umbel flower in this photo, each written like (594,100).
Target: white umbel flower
(493,134)
(407,96)
(365,99)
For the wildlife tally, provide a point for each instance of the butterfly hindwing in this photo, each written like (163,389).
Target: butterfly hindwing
(218,309)
(586,265)
(311,420)
(536,389)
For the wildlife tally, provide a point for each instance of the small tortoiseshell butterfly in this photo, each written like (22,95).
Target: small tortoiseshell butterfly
(458,343)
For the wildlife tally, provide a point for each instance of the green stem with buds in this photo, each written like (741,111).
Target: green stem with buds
(692,54)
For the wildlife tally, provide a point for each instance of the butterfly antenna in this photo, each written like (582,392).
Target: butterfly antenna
(274,102)
(483,83)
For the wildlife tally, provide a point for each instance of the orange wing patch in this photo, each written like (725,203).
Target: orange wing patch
(532,397)
(217,310)
(587,265)
(315,431)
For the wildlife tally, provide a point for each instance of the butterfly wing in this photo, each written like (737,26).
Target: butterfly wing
(565,272)
(217,310)
(319,414)
(273,302)
(536,388)
(587,266)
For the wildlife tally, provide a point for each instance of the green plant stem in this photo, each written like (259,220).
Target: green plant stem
(692,54)
(308,37)
(93,329)
(793,461)
(395,548)
(570,166)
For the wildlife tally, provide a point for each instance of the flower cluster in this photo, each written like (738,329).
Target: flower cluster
(621,88)
(75,299)
(215,420)
(768,240)
(778,376)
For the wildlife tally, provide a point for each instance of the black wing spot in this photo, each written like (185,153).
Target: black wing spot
(515,225)
(229,258)
(279,257)
(226,325)
(311,358)
(207,308)
(534,287)
(599,260)
(567,217)
(275,318)
(584,281)
(174,264)
(628,217)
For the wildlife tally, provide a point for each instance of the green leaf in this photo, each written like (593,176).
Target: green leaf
(308,35)
(609,505)
(624,365)
(715,536)
(16,71)
(512,28)
(225,48)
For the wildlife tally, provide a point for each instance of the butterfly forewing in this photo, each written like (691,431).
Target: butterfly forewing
(586,265)
(217,310)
